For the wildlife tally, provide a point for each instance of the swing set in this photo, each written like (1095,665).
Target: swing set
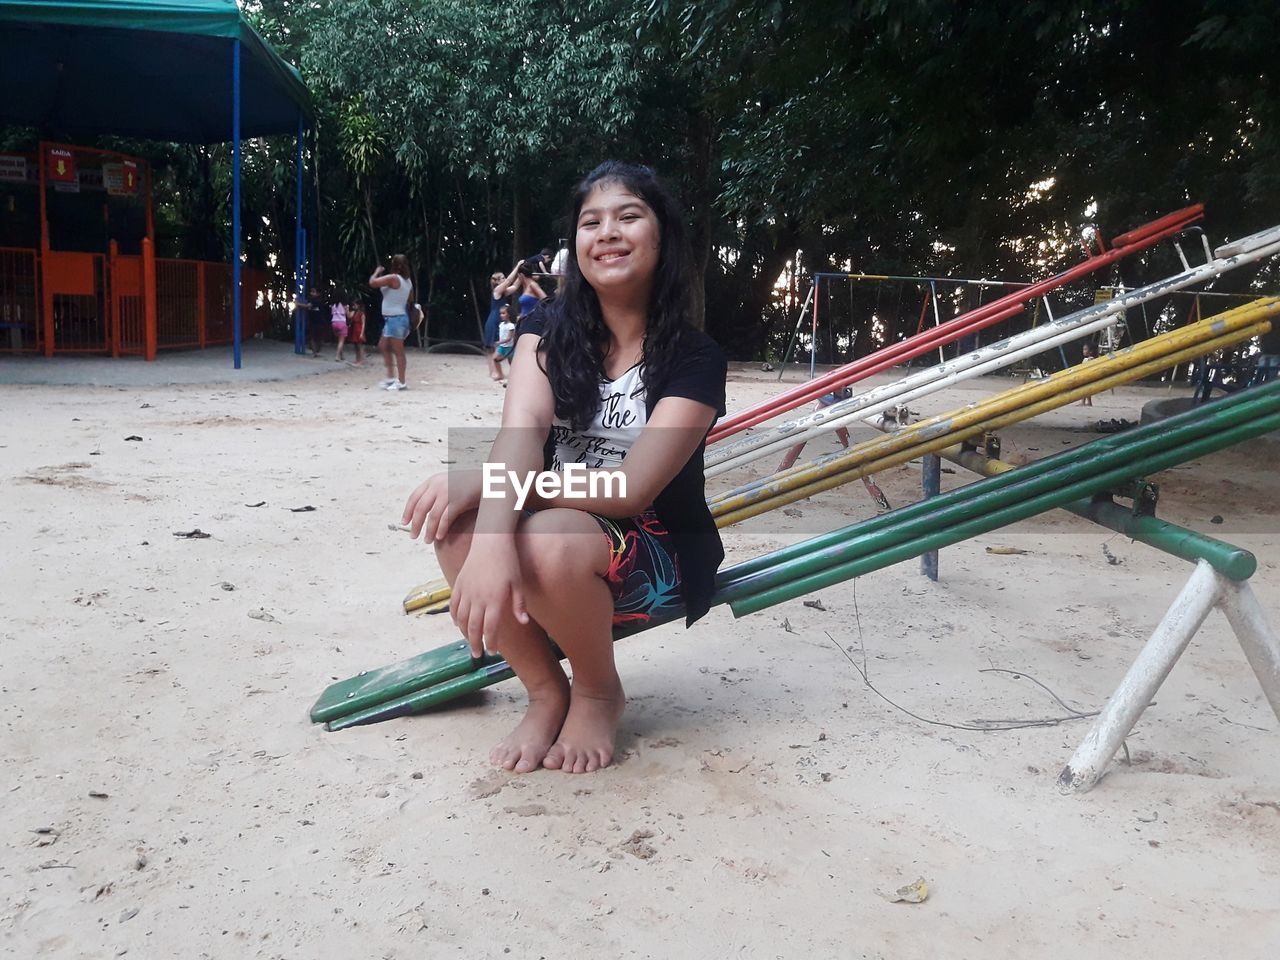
(885,326)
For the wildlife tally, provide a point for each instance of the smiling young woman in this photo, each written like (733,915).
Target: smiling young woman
(607,376)
(617,243)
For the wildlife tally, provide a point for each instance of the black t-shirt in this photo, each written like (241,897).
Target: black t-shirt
(681,506)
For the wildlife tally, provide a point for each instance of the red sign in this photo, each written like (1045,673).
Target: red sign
(61,165)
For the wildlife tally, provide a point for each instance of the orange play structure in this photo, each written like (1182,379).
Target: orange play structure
(65,296)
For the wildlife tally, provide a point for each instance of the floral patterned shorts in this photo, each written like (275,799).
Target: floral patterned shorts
(643,576)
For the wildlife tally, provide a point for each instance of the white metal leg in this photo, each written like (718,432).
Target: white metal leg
(1140,684)
(1259,641)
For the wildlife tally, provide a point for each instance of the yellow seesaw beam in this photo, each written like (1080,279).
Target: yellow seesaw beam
(936,433)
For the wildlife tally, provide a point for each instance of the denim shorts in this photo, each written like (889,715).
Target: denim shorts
(395,326)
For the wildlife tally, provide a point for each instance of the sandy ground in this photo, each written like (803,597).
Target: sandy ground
(163,795)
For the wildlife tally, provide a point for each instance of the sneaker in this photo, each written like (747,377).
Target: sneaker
(386,382)
(397,385)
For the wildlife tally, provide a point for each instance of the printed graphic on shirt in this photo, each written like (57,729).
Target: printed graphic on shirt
(613,430)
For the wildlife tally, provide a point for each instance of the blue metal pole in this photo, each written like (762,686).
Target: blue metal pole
(299,245)
(235,198)
(301,316)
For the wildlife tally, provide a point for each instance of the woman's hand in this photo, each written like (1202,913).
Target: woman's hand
(439,500)
(487,586)
(379,270)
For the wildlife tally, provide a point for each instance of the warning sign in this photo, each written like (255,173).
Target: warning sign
(13,168)
(113,178)
(120,179)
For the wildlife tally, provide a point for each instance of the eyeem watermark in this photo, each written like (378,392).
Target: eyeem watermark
(575,482)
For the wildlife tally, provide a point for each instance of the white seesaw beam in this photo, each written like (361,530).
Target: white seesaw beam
(722,458)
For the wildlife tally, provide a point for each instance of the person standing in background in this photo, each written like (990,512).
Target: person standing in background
(396,288)
(1088,352)
(558,261)
(531,294)
(338,320)
(317,318)
(355,323)
(500,288)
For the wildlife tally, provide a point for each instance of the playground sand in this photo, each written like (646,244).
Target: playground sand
(163,794)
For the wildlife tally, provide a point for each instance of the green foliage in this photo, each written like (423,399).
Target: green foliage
(918,136)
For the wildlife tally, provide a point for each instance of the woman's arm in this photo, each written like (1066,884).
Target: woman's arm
(664,446)
(527,411)
(532,287)
(380,278)
(526,420)
(489,582)
(503,288)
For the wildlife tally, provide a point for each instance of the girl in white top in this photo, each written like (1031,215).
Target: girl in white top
(396,289)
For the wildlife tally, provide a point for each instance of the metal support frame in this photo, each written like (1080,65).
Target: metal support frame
(1062,354)
(235,201)
(813,332)
(937,317)
(795,334)
(931,486)
(1205,590)
(299,248)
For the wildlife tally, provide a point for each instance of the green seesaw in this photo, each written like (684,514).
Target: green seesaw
(1072,477)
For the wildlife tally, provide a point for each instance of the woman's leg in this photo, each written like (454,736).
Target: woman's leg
(527,650)
(397,346)
(342,339)
(564,557)
(384,348)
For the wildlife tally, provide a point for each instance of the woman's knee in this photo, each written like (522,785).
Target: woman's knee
(557,547)
(452,551)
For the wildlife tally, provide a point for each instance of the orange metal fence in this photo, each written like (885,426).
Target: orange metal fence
(179,307)
(20,327)
(90,303)
(128,305)
(73,288)
(214,291)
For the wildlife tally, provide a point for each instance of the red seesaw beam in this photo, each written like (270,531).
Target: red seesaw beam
(1007,306)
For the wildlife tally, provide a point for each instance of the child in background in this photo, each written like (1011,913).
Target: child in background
(338,319)
(1090,353)
(506,343)
(355,323)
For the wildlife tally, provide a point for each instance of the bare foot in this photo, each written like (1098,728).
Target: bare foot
(524,747)
(586,740)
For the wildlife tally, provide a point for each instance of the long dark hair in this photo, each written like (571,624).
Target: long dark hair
(573,347)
